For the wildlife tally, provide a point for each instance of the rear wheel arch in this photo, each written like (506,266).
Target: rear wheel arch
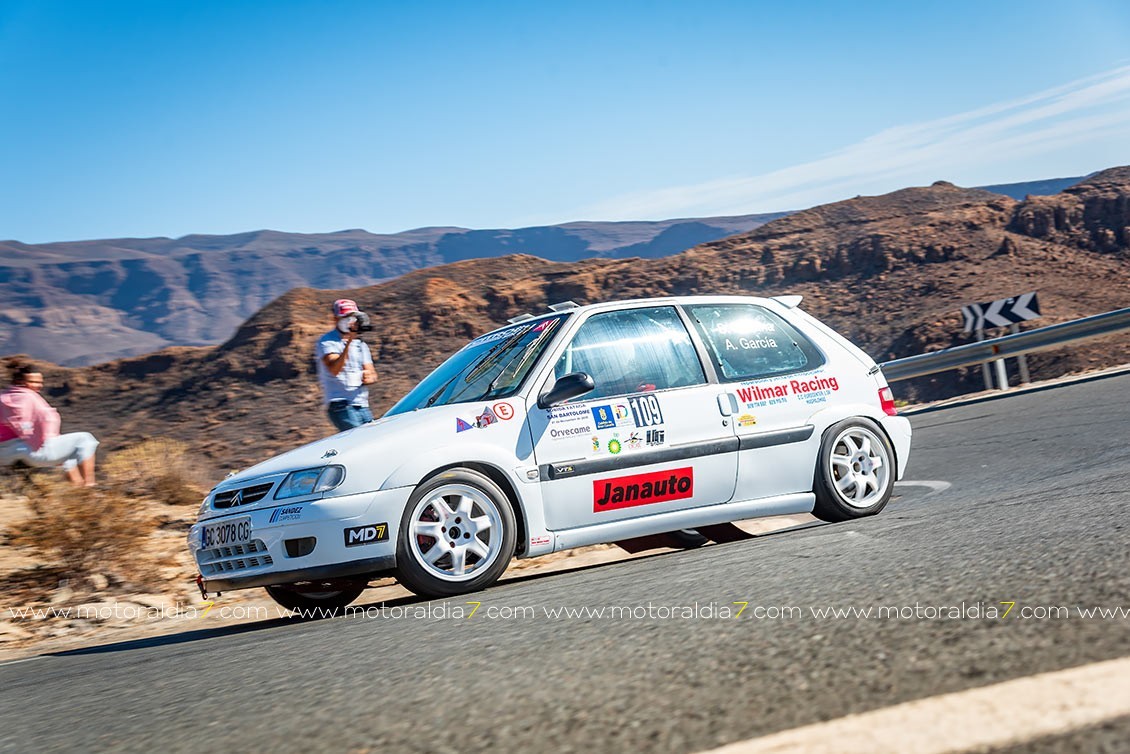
(832,502)
(894,450)
(825,419)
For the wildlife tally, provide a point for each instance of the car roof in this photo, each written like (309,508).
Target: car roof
(787,301)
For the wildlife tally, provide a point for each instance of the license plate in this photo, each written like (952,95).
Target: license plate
(236,531)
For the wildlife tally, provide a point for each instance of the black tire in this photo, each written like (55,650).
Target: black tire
(324,604)
(848,482)
(688,539)
(442,578)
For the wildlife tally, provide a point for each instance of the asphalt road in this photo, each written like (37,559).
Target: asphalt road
(1036,515)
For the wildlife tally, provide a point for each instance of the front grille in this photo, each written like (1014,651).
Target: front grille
(231,558)
(243,496)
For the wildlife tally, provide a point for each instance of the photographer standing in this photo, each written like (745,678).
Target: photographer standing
(345,368)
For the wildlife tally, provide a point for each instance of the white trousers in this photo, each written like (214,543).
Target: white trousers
(69,450)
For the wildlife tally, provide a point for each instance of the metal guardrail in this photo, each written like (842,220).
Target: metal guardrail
(1007,346)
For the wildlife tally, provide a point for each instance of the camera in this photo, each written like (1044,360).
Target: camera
(361,323)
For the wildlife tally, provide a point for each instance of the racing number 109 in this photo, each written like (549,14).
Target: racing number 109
(645,411)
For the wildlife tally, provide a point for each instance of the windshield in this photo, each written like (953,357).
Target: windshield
(489,367)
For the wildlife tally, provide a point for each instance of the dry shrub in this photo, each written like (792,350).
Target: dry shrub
(31,584)
(98,537)
(86,531)
(159,469)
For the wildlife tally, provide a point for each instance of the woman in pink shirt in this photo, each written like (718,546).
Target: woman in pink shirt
(29,431)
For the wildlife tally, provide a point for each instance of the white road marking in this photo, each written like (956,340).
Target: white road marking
(1003,714)
(17,662)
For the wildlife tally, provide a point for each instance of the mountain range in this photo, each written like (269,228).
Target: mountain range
(891,272)
(90,301)
(85,302)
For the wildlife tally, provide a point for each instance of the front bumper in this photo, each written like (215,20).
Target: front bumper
(265,559)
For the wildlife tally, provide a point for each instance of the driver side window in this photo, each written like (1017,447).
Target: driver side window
(633,351)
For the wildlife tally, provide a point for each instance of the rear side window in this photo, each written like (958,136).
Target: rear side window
(633,351)
(749,342)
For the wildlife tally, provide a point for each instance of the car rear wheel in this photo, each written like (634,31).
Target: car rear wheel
(315,603)
(457,535)
(855,472)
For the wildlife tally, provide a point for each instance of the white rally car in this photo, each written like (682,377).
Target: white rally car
(587,424)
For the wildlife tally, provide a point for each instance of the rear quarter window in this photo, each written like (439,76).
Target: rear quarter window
(749,342)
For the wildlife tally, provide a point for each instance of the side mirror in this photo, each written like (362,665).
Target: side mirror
(567,387)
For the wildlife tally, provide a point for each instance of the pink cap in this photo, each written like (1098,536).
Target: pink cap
(343,307)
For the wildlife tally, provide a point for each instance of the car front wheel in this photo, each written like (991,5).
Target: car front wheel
(457,535)
(855,472)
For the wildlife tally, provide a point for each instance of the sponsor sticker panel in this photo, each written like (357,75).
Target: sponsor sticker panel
(634,424)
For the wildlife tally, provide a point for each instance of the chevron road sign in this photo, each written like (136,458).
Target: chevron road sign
(1001,313)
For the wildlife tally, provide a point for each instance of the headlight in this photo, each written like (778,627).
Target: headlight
(310,481)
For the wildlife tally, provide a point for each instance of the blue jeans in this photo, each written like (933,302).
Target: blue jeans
(345,416)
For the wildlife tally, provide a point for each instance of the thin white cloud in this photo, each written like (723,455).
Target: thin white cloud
(1039,124)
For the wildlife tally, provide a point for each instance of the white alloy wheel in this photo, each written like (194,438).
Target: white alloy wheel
(456,532)
(855,471)
(860,467)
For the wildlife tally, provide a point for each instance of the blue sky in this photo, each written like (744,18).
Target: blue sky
(168,118)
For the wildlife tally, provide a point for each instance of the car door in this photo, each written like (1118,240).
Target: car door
(652,437)
(776,379)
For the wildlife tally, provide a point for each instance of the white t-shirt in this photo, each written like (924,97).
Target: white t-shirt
(346,386)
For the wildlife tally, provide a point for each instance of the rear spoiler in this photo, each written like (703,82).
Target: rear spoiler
(789,302)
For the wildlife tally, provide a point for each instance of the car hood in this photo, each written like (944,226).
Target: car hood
(370,453)
(333,449)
